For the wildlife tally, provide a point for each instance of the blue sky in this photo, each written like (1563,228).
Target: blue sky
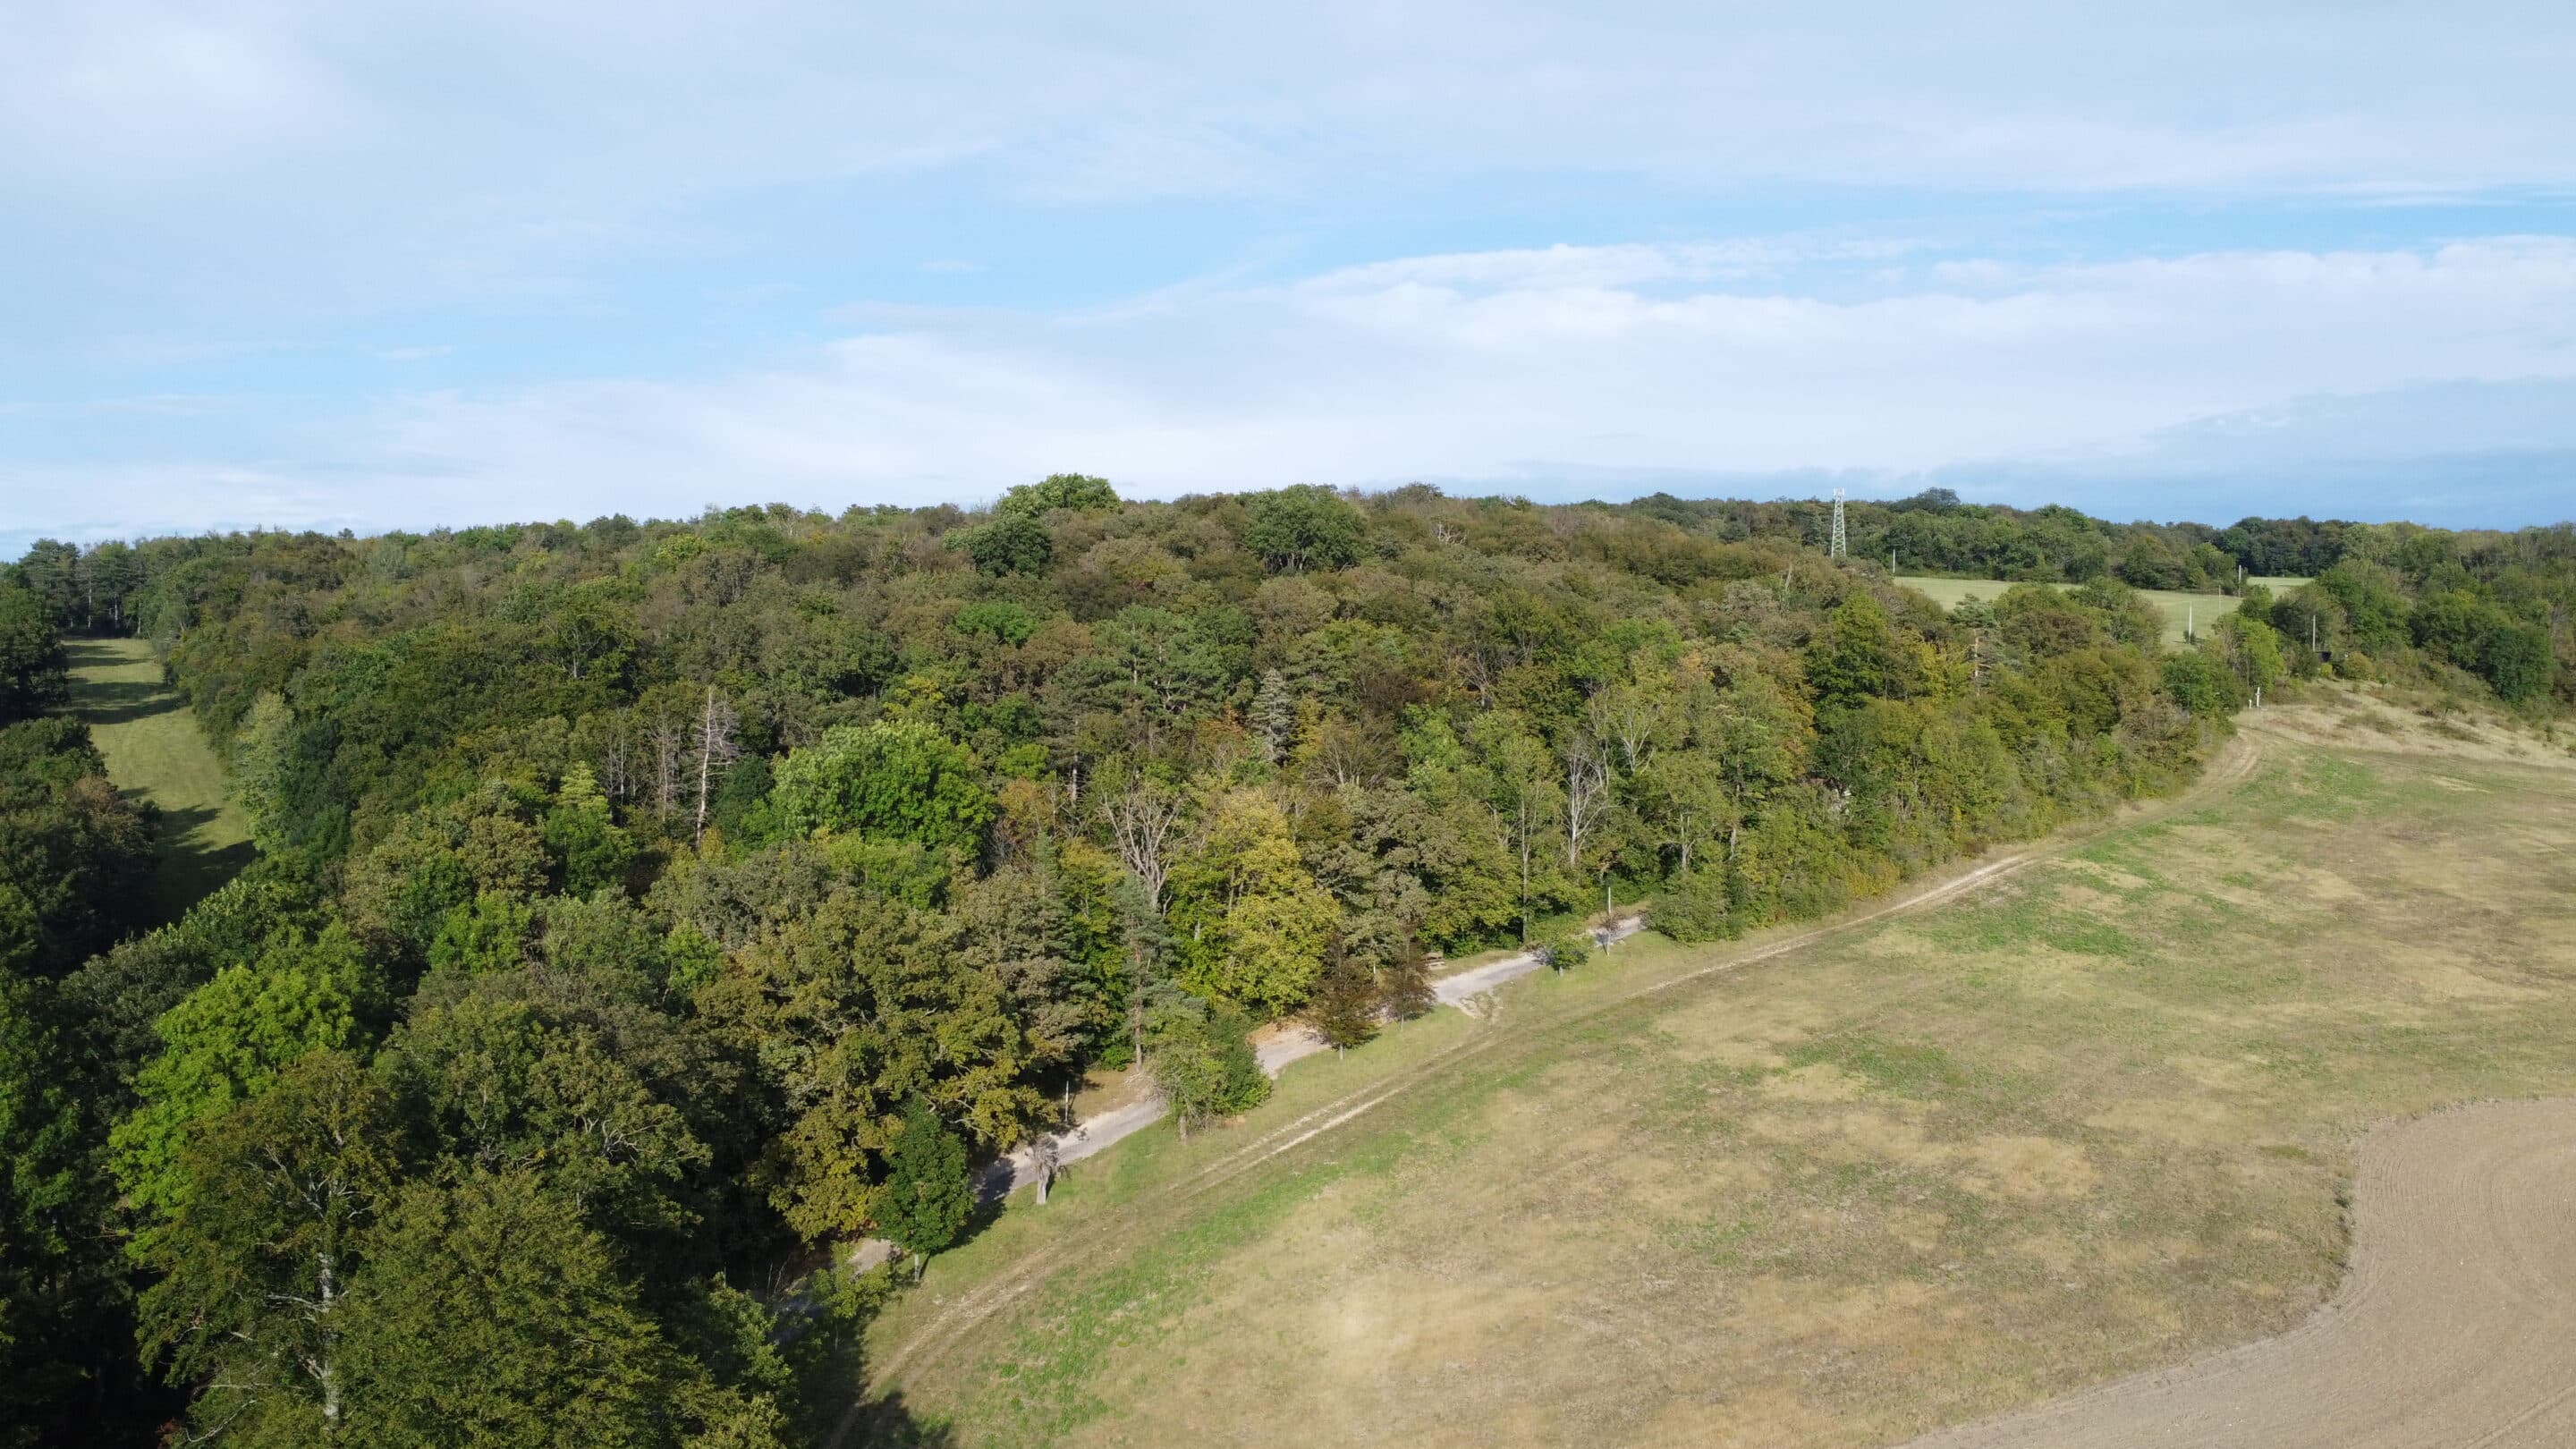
(271,262)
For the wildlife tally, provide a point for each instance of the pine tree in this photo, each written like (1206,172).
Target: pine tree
(1404,981)
(1274,716)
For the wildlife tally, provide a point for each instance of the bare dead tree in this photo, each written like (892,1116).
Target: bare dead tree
(1142,821)
(1346,754)
(669,741)
(1044,1159)
(1587,795)
(715,747)
(614,774)
(1624,715)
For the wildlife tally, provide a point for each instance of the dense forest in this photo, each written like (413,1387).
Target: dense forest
(642,911)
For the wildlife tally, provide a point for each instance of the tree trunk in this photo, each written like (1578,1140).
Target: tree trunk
(325,1371)
(706,765)
(1525,877)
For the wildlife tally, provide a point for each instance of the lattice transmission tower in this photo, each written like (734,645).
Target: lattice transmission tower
(1837,550)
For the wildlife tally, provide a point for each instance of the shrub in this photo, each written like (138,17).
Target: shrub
(1568,951)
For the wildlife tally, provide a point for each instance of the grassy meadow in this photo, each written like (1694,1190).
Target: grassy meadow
(2094,1115)
(154,751)
(2180,610)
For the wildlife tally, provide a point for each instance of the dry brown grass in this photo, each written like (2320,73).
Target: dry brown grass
(2095,1117)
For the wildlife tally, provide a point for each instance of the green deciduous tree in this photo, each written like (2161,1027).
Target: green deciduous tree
(509,1086)
(854,1009)
(73,852)
(1012,544)
(43,1219)
(229,1040)
(1859,655)
(1683,798)
(1567,951)
(588,850)
(1305,527)
(256,1263)
(34,672)
(488,1315)
(1078,492)
(1254,923)
(896,779)
(2517,661)
(492,932)
(2253,650)
(2200,683)
(929,1193)
(1202,1061)
(1520,788)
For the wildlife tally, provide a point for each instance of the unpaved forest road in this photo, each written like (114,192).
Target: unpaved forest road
(1095,1134)
(2456,1326)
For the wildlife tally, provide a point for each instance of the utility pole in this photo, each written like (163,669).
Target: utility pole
(1837,550)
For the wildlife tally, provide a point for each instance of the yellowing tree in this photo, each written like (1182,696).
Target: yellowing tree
(1252,922)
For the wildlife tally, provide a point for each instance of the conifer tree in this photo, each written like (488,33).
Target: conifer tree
(1404,980)
(1274,716)
(1343,1009)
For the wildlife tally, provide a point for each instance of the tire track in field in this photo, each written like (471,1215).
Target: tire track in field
(2233,764)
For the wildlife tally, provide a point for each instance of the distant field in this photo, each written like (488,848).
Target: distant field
(155,751)
(2180,610)
(2097,1116)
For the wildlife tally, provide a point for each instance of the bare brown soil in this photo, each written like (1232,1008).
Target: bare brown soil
(2457,1324)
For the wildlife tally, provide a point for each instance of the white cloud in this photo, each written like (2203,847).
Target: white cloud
(1531,365)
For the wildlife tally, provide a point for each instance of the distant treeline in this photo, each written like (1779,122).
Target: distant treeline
(1934,533)
(639,905)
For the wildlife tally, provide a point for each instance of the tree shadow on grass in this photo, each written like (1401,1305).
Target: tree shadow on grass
(190,869)
(887,1423)
(113,701)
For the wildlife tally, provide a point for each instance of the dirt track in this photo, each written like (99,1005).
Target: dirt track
(2456,1325)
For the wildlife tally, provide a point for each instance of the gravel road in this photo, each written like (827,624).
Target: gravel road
(1275,1049)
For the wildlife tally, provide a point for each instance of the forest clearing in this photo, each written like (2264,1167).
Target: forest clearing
(2184,613)
(2095,1116)
(156,752)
